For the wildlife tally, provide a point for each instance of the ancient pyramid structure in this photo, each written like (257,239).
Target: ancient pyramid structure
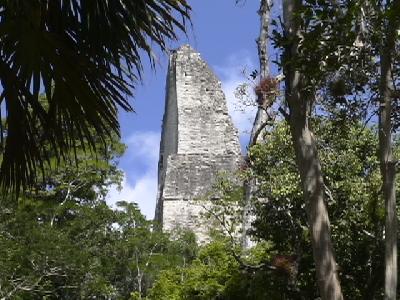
(198,141)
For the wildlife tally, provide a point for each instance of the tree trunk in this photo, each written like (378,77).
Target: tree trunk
(313,192)
(388,176)
(387,163)
(262,45)
(261,116)
(308,162)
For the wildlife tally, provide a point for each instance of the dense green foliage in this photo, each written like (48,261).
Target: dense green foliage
(94,252)
(61,240)
(215,274)
(351,168)
(281,265)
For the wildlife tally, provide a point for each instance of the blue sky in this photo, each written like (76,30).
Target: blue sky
(224,33)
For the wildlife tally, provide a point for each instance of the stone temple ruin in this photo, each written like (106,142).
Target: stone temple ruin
(198,141)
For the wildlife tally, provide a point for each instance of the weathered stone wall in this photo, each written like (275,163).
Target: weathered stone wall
(198,142)
(204,123)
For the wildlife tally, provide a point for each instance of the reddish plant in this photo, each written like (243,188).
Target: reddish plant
(284,263)
(266,88)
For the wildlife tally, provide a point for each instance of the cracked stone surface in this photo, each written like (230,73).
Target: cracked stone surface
(198,142)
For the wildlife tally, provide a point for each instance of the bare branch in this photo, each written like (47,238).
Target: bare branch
(237,257)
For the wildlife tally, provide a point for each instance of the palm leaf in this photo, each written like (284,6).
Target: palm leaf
(84,56)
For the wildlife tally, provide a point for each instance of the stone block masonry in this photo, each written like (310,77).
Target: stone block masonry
(198,141)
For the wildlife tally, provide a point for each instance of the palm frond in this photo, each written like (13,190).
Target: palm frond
(84,55)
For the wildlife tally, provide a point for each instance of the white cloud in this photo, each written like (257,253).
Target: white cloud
(231,77)
(140,167)
(143,192)
(143,147)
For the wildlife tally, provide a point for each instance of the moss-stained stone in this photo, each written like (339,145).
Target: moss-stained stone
(198,141)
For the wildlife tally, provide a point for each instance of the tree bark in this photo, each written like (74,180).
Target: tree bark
(387,163)
(262,45)
(261,116)
(388,173)
(307,159)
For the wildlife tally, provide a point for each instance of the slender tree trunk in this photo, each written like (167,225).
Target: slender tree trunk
(262,45)
(387,163)
(375,280)
(308,162)
(261,116)
(388,176)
